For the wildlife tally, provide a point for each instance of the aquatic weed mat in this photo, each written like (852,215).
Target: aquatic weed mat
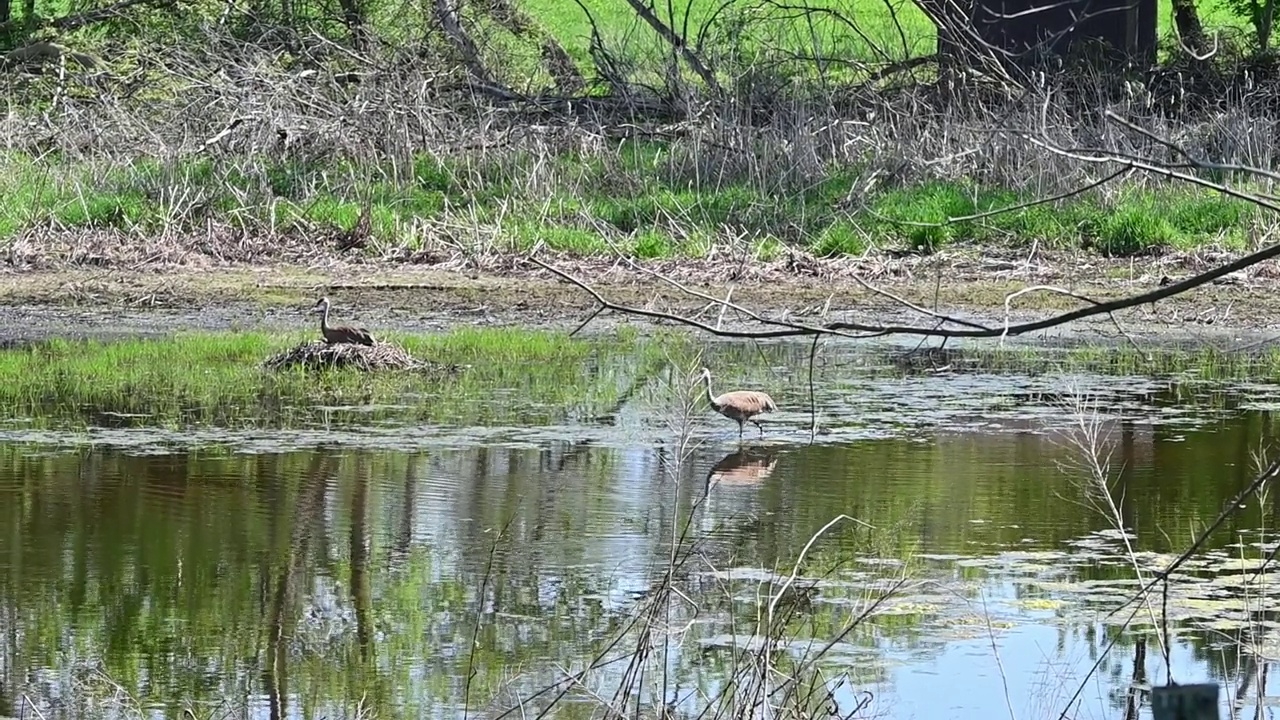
(1220,589)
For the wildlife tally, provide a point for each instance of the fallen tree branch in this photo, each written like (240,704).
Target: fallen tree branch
(447,16)
(783,329)
(792,329)
(645,12)
(952,327)
(727,305)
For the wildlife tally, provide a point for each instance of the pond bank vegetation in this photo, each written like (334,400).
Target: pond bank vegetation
(386,152)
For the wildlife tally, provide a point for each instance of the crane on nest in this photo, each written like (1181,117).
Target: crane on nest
(739,405)
(334,334)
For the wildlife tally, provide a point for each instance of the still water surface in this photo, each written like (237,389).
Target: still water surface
(319,572)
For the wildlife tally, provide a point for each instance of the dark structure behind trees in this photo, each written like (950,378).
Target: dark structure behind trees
(1025,33)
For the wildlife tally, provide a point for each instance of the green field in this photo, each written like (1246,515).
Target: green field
(866,30)
(877,20)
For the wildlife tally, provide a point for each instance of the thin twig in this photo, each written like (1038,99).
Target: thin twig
(845,328)
(475,630)
(1008,209)
(813,401)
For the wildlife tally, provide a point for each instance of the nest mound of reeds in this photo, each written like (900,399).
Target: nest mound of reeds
(319,354)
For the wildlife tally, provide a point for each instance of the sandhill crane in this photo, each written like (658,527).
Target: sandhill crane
(340,333)
(739,405)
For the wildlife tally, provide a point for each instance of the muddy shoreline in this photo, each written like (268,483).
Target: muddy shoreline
(1239,311)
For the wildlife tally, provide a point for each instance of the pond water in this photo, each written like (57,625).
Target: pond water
(361,569)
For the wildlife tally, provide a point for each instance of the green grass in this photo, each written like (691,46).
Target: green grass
(203,378)
(594,205)
(648,199)
(750,35)
(1137,222)
(878,22)
(565,20)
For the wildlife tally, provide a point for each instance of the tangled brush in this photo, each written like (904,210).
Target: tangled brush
(318,354)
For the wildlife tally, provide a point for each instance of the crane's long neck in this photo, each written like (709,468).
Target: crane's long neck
(324,319)
(706,381)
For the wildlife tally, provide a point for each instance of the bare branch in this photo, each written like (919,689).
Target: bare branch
(678,43)
(792,329)
(968,329)
(785,329)
(1011,208)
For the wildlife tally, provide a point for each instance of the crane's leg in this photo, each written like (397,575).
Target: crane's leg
(740,424)
(759,426)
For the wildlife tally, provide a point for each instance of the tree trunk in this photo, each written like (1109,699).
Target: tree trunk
(1187,20)
(354,19)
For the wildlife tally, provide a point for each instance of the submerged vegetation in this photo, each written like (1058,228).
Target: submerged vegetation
(1199,362)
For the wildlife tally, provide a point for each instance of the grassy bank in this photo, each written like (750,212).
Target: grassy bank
(628,197)
(809,157)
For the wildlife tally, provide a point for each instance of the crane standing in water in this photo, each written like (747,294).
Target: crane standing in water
(340,333)
(739,405)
